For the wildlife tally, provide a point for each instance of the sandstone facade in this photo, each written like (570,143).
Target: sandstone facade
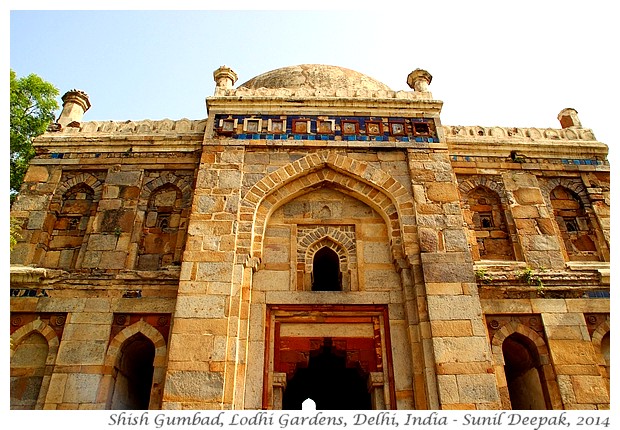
(317,235)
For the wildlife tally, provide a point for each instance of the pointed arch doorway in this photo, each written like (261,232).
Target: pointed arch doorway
(328,382)
(337,355)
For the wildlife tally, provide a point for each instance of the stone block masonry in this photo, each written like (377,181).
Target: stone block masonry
(316,235)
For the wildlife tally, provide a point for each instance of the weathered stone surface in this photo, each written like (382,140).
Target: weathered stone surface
(564,351)
(447,267)
(589,389)
(448,389)
(81,388)
(198,386)
(455,240)
(442,192)
(461,349)
(477,388)
(541,242)
(428,239)
(214,272)
(200,307)
(528,196)
(456,328)
(528,212)
(37,174)
(81,352)
(123,177)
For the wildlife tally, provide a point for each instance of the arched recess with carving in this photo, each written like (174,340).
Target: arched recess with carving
(72,209)
(166,179)
(577,226)
(139,331)
(492,233)
(356,178)
(32,373)
(165,205)
(537,347)
(601,338)
(574,185)
(82,178)
(339,242)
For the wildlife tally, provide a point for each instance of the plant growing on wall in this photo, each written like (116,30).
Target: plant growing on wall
(529,277)
(483,276)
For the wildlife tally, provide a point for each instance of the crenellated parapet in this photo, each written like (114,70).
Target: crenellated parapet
(302,92)
(457,133)
(164,126)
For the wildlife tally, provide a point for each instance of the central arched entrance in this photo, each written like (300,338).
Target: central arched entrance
(328,382)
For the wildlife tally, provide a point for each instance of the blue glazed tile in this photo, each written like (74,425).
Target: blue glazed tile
(467,158)
(256,136)
(241,136)
(405,139)
(564,161)
(324,137)
(297,137)
(419,139)
(363,137)
(311,137)
(269,136)
(332,137)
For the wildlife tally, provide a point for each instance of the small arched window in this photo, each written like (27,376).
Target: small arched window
(326,275)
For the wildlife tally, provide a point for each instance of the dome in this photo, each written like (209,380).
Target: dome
(315,77)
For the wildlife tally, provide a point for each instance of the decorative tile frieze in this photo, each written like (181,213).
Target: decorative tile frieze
(314,127)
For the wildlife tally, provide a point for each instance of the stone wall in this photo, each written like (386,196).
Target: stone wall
(455,248)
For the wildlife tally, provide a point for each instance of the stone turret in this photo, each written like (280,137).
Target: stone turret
(75,104)
(225,78)
(419,80)
(568,118)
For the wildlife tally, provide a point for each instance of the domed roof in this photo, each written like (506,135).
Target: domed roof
(315,77)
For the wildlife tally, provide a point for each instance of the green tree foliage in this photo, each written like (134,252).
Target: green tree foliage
(33,102)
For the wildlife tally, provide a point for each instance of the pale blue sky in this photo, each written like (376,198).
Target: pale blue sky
(491,65)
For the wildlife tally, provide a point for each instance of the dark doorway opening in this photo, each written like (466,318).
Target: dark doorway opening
(328,382)
(134,377)
(326,271)
(523,374)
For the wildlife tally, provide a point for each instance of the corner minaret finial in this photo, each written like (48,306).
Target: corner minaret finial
(75,104)
(568,118)
(225,78)
(419,80)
